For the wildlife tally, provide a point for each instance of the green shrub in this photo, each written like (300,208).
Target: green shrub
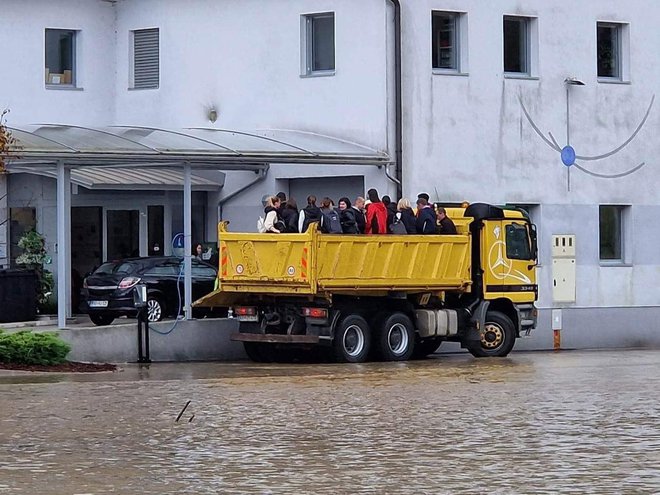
(26,347)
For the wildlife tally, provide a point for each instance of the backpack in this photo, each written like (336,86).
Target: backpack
(398,226)
(261,225)
(331,223)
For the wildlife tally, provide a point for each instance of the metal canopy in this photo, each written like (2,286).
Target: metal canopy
(116,145)
(133,179)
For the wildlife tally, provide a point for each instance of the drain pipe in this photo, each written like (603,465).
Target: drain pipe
(398,154)
(262,173)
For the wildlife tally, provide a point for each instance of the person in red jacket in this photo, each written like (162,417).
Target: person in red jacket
(376,214)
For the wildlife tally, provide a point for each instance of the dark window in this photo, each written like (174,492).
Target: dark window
(162,271)
(609,50)
(320,42)
(200,270)
(146,53)
(516,45)
(517,242)
(60,57)
(445,40)
(611,226)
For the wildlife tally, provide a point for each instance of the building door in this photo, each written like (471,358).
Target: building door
(123,234)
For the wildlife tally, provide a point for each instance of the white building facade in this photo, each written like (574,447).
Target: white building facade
(491,94)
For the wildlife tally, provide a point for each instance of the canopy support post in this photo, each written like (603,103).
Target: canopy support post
(187,236)
(63,244)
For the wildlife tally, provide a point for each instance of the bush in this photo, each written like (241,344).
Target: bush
(26,347)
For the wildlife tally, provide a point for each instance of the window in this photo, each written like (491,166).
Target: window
(611,232)
(145,69)
(517,242)
(318,46)
(609,44)
(518,45)
(445,40)
(60,57)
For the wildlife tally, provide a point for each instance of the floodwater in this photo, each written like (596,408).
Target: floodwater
(571,422)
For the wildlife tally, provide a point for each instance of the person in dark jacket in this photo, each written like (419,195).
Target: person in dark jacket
(425,217)
(309,214)
(446,224)
(358,208)
(376,214)
(290,216)
(391,211)
(347,217)
(407,215)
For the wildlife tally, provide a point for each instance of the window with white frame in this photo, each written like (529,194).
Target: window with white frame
(610,40)
(518,45)
(60,57)
(145,60)
(318,44)
(446,41)
(611,232)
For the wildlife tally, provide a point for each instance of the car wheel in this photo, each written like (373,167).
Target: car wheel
(101,319)
(155,309)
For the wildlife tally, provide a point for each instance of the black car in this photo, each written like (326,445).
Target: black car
(108,291)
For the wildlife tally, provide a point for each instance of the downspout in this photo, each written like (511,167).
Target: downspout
(398,153)
(262,172)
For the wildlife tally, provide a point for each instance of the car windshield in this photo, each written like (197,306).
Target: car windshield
(114,268)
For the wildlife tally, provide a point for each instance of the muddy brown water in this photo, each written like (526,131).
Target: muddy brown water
(573,422)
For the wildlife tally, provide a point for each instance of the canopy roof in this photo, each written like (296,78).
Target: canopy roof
(117,145)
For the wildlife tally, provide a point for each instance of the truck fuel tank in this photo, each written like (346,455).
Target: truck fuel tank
(436,322)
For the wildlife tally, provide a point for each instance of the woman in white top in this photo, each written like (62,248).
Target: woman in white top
(272,205)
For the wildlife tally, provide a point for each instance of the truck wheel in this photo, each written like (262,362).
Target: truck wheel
(352,340)
(395,337)
(497,337)
(425,347)
(257,352)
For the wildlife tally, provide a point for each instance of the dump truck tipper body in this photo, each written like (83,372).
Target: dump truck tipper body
(385,296)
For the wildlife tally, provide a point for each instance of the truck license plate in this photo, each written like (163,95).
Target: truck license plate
(98,304)
(248,318)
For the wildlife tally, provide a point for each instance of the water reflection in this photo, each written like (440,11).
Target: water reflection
(541,423)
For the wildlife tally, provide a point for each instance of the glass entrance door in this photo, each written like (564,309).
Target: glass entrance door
(123,234)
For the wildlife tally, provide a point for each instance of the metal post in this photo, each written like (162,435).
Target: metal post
(187,234)
(63,244)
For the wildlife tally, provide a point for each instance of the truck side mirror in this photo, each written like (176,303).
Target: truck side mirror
(533,239)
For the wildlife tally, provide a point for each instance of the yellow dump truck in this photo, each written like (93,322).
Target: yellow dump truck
(388,297)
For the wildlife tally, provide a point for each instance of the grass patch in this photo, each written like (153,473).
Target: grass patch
(26,347)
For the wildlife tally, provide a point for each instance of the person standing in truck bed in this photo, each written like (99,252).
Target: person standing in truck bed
(445,224)
(376,214)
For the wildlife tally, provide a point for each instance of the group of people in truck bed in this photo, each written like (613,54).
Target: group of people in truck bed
(371,216)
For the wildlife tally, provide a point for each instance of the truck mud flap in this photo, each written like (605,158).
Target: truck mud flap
(274,339)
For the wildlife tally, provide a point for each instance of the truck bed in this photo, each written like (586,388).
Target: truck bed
(320,265)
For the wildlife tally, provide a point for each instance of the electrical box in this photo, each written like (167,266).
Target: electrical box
(563,268)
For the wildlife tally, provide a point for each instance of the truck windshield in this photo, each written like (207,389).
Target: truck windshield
(517,242)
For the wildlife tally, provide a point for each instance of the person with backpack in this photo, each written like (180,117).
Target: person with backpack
(376,218)
(347,217)
(309,214)
(425,223)
(272,222)
(391,211)
(330,223)
(290,216)
(406,216)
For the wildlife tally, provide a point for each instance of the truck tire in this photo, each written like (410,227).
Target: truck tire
(352,340)
(395,337)
(497,337)
(425,347)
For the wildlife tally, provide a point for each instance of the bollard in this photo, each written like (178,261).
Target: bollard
(556,329)
(140,302)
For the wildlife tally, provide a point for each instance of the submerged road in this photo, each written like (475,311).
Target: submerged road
(570,422)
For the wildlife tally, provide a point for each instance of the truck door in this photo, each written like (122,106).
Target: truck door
(508,259)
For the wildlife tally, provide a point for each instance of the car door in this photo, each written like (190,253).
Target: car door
(203,279)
